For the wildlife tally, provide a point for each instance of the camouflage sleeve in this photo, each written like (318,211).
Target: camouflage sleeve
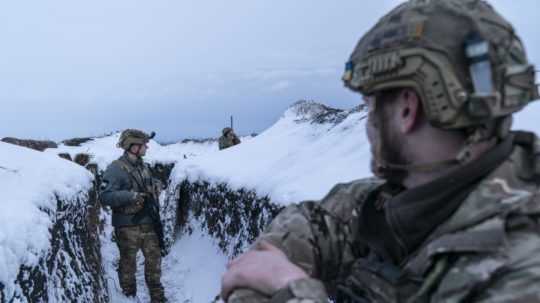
(319,236)
(519,279)
(115,188)
(316,236)
(291,231)
(306,235)
(313,239)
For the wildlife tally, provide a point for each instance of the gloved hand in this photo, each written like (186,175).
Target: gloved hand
(136,205)
(138,200)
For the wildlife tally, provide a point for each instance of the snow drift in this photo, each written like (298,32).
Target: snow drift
(311,148)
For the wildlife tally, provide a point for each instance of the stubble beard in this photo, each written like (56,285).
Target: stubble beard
(390,153)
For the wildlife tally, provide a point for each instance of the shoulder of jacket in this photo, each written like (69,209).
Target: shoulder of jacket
(343,198)
(116,167)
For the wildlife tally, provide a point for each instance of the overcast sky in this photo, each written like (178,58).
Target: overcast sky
(182,67)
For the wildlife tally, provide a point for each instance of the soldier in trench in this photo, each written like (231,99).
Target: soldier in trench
(127,185)
(454,214)
(228,138)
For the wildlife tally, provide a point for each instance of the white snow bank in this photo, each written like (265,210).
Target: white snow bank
(30,182)
(295,159)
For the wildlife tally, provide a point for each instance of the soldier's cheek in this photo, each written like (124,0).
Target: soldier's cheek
(371,133)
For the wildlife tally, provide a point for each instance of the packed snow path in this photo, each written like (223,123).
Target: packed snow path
(191,272)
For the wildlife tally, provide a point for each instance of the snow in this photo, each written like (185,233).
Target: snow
(30,182)
(293,160)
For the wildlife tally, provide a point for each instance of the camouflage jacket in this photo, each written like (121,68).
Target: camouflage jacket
(122,179)
(226,142)
(488,250)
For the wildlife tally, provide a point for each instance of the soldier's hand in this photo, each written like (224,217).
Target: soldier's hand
(139,199)
(265,269)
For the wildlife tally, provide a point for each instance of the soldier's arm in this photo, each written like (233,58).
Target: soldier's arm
(313,239)
(292,233)
(114,188)
(317,237)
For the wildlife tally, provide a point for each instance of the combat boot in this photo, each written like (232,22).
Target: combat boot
(158,298)
(129,292)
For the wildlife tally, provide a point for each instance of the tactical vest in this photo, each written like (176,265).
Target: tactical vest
(141,179)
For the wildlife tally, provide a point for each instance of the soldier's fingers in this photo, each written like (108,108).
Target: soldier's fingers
(225,287)
(229,282)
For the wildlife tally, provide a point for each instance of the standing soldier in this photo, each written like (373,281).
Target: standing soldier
(454,214)
(132,193)
(228,139)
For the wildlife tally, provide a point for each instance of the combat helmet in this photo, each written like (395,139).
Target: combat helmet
(133,136)
(464,60)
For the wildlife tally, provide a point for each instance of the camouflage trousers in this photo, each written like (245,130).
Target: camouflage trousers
(130,240)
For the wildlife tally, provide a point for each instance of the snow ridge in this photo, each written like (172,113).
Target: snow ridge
(311,146)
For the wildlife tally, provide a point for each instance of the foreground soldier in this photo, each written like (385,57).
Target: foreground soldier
(228,138)
(128,188)
(454,214)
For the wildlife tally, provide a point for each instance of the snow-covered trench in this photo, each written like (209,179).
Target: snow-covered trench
(56,241)
(217,202)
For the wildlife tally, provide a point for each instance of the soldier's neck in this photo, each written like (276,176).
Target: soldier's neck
(418,178)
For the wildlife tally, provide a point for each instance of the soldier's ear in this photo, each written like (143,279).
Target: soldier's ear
(409,110)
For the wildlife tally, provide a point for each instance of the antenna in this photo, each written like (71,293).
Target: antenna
(232,122)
